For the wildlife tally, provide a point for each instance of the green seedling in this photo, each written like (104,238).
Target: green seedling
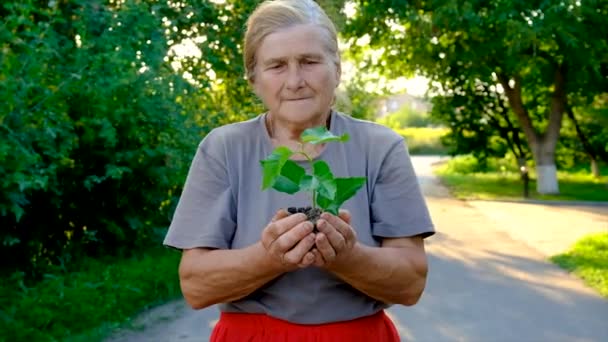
(328,193)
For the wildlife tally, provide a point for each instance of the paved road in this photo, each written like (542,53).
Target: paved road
(488,279)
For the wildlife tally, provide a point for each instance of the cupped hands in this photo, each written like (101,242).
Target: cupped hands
(290,242)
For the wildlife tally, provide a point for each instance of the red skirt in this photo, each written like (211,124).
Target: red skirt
(244,327)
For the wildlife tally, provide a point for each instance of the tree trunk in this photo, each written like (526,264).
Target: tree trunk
(595,168)
(542,145)
(585,142)
(546,171)
(514,141)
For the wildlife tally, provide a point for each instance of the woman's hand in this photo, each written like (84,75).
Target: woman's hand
(335,240)
(288,239)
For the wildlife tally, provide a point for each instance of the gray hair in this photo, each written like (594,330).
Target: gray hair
(271,16)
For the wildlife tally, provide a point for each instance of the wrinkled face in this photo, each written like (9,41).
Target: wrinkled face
(294,75)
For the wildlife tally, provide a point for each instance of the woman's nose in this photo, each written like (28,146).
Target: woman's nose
(294,77)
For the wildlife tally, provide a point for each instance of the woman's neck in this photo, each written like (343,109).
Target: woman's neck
(288,134)
(286,131)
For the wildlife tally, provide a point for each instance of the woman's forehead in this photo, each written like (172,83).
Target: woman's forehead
(298,41)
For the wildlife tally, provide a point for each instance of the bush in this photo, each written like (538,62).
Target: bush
(424,141)
(468,163)
(94,148)
(102,292)
(406,117)
(463,165)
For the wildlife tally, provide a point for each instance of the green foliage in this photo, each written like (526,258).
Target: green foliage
(345,189)
(285,175)
(333,8)
(406,117)
(463,165)
(466,46)
(359,94)
(588,259)
(98,121)
(100,115)
(273,165)
(424,140)
(480,122)
(353,99)
(99,292)
(89,150)
(320,135)
(592,120)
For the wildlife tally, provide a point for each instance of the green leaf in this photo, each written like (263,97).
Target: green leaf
(346,188)
(271,166)
(328,205)
(309,183)
(319,135)
(325,179)
(289,178)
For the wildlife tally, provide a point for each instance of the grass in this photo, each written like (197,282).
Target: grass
(507,184)
(588,259)
(87,305)
(496,186)
(424,140)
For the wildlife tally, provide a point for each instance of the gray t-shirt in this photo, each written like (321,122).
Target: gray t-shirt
(223,207)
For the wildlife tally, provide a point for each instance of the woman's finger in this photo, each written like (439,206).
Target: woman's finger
(295,255)
(319,261)
(280,225)
(334,236)
(324,247)
(280,214)
(307,260)
(341,226)
(290,239)
(345,215)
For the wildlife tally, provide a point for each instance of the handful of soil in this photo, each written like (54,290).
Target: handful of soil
(312,214)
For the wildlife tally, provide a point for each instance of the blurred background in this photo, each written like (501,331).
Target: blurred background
(104,102)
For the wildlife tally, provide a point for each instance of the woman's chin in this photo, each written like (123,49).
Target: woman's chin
(300,114)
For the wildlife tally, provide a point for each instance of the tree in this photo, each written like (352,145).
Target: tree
(585,134)
(352,98)
(480,123)
(521,45)
(94,141)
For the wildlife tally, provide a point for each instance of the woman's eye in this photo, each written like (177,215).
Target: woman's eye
(310,62)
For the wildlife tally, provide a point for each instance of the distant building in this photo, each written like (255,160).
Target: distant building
(393,103)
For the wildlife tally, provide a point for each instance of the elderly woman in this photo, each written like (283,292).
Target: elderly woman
(276,278)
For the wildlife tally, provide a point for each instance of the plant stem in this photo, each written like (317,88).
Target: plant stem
(310,161)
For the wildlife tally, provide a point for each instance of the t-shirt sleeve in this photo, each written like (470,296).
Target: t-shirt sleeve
(205,214)
(397,206)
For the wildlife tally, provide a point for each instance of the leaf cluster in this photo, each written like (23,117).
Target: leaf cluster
(94,142)
(285,175)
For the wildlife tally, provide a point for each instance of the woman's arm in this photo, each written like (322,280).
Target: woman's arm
(211,276)
(393,273)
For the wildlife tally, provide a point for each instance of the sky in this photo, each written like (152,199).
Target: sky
(416,86)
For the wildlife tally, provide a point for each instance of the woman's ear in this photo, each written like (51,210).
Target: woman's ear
(253,86)
(338,74)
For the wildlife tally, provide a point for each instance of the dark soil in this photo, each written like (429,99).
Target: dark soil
(312,214)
